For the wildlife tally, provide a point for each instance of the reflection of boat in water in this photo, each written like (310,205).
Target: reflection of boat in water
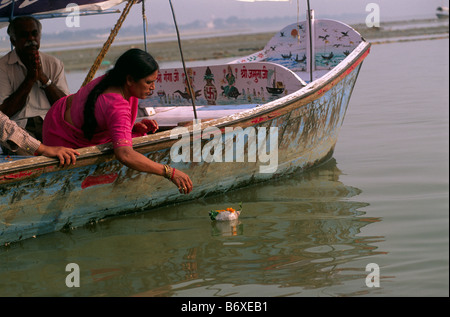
(312,240)
(442,12)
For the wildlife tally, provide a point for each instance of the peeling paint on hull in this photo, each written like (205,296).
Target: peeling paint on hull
(37,196)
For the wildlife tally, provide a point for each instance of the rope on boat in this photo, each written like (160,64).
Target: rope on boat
(108,42)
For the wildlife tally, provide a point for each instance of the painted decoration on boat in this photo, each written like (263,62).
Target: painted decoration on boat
(229,84)
(333,41)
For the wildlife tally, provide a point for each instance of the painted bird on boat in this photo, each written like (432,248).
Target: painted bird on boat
(187,95)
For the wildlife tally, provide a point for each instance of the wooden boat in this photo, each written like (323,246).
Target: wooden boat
(301,126)
(442,12)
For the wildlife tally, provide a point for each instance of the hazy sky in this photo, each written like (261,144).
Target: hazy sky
(188,10)
(191,10)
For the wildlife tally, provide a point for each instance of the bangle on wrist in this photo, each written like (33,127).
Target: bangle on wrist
(167,171)
(173,173)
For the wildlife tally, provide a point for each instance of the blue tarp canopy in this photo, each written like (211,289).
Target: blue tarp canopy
(42,9)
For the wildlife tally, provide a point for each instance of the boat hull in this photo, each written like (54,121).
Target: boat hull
(37,196)
(442,12)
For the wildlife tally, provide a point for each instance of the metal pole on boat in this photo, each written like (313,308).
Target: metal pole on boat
(144,25)
(191,92)
(311,57)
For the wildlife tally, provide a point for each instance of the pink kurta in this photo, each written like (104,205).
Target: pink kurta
(115,119)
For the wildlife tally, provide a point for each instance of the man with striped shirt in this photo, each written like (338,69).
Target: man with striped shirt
(18,140)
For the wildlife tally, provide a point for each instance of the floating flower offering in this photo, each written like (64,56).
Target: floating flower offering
(225,214)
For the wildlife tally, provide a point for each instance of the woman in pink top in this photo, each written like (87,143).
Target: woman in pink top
(105,111)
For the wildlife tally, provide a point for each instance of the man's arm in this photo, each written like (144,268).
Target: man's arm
(52,91)
(18,140)
(17,100)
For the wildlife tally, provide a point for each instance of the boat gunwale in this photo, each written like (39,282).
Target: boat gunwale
(145,144)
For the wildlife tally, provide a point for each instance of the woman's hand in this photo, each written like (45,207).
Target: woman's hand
(145,126)
(64,154)
(182,181)
(137,161)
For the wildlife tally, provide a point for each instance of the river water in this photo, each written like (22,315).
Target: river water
(382,200)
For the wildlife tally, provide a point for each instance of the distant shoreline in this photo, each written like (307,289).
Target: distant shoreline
(230,46)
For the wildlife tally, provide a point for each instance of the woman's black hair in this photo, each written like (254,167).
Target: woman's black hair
(134,62)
